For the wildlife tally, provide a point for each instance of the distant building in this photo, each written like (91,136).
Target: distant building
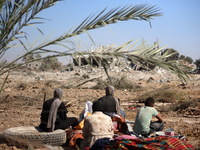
(34,65)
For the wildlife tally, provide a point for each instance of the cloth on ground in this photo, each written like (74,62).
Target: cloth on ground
(156,143)
(72,136)
(121,137)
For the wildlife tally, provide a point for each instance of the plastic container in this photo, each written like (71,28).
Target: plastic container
(169,132)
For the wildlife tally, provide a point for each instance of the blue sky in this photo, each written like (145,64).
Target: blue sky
(178,28)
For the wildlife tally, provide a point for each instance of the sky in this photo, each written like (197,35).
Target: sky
(178,28)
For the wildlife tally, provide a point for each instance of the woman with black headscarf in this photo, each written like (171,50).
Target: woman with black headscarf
(54,112)
(110,103)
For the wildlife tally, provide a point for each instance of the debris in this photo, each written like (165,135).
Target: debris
(4,98)
(7,90)
(77,74)
(88,81)
(85,76)
(182,84)
(150,79)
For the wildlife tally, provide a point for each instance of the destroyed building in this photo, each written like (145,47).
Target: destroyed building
(34,65)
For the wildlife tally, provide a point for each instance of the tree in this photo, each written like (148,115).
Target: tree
(182,57)
(197,63)
(174,54)
(189,59)
(28,58)
(17,14)
(50,63)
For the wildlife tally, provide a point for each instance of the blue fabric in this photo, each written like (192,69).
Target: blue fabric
(100,144)
(122,113)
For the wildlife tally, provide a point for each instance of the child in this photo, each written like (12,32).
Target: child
(143,124)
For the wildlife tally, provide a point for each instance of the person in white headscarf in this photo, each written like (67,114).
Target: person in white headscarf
(54,114)
(86,110)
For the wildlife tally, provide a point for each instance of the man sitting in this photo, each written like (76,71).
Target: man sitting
(96,126)
(143,125)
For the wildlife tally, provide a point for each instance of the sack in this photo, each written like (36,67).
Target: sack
(81,124)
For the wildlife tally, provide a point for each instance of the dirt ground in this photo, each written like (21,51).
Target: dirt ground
(23,95)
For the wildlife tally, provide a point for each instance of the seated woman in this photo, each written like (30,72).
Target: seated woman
(111,104)
(96,126)
(54,112)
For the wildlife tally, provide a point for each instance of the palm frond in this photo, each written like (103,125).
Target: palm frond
(144,55)
(138,12)
(15,15)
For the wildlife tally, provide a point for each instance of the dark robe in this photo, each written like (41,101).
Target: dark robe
(109,105)
(62,121)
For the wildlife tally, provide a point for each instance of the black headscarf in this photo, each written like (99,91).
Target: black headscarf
(97,106)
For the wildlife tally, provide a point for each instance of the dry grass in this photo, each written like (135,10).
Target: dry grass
(117,82)
(181,106)
(164,94)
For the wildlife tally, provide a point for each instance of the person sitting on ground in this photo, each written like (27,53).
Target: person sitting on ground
(96,126)
(143,125)
(53,115)
(110,103)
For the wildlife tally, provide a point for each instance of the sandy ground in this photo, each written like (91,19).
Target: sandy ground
(23,95)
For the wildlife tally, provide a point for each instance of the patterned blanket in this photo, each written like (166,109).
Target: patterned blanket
(155,143)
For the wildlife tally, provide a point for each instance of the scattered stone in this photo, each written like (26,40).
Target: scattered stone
(85,76)
(150,79)
(7,90)
(77,74)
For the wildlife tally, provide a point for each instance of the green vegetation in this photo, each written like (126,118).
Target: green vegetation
(50,63)
(175,56)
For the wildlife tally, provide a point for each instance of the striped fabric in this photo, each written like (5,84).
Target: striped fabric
(155,143)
